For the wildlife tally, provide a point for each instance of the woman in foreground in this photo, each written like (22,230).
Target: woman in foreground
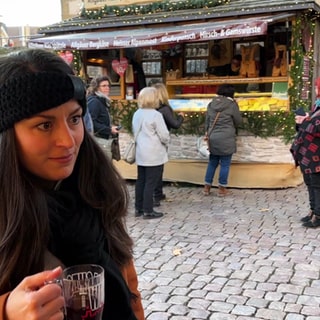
(62,201)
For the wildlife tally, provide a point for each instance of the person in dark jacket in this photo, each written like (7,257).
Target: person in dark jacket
(222,119)
(99,105)
(172,122)
(230,69)
(306,153)
(134,56)
(64,203)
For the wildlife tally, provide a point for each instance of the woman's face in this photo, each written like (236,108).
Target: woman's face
(49,142)
(104,87)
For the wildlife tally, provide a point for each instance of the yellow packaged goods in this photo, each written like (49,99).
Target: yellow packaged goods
(263,104)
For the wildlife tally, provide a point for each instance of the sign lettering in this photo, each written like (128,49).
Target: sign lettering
(150,37)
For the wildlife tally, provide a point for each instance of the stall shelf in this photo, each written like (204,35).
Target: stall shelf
(206,81)
(275,98)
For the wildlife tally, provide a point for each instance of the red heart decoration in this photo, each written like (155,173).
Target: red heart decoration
(120,66)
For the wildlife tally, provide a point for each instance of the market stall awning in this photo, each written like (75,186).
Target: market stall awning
(142,37)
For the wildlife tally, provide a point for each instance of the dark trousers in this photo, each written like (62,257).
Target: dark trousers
(158,191)
(146,182)
(312,182)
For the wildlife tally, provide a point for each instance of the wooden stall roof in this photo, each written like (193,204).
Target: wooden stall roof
(234,9)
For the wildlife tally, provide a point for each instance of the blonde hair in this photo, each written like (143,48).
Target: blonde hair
(162,92)
(148,98)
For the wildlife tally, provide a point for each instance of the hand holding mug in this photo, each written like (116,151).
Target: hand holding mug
(34,299)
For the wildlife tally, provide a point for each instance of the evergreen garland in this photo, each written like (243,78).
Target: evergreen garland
(150,8)
(260,124)
(77,62)
(298,57)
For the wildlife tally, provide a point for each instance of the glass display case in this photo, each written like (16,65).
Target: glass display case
(152,64)
(196,58)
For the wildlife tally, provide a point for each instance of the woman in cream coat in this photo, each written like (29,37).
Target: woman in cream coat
(152,138)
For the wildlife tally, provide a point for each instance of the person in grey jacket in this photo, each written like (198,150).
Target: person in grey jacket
(222,119)
(152,139)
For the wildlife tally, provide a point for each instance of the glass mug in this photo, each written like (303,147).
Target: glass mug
(83,291)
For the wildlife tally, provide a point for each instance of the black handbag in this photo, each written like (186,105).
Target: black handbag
(110,147)
(115,149)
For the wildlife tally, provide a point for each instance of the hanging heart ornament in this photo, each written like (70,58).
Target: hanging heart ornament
(120,66)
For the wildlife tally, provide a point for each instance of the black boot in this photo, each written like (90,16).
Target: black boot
(152,215)
(308,217)
(138,213)
(314,222)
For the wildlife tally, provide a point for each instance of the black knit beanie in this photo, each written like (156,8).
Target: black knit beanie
(26,95)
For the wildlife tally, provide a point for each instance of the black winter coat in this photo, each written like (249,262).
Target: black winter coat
(172,121)
(99,111)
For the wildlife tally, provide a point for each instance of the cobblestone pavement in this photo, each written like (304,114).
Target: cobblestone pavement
(245,256)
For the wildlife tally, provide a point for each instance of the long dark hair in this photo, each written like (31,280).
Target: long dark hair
(24,225)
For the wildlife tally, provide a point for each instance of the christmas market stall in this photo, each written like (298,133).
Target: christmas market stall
(267,49)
